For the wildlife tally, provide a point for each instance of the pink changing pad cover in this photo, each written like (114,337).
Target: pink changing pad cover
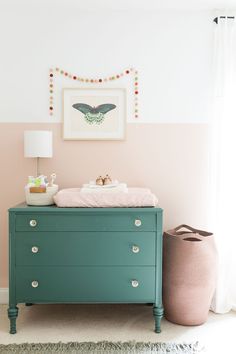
(135,197)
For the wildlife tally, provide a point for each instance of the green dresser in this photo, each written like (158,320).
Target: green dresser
(85,255)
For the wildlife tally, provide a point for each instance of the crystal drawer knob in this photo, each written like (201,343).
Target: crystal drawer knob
(134,283)
(135,249)
(138,222)
(35,249)
(33,223)
(34,284)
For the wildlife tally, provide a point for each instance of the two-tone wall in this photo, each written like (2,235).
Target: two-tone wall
(165,149)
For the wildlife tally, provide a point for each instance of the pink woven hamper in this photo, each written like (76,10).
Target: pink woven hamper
(189,274)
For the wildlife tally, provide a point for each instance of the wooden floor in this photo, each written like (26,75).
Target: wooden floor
(54,323)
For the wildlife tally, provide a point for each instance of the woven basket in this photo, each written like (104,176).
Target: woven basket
(41,198)
(189,274)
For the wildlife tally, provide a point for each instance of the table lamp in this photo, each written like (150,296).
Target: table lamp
(38,143)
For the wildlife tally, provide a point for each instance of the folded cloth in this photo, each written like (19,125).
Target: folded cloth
(121,187)
(135,197)
(92,184)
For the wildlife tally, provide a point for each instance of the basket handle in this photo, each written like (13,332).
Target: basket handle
(192,229)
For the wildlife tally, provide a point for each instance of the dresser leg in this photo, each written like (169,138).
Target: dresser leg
(12,315)
(158,314)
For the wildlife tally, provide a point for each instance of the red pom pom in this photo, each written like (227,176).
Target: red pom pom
(100,80)
(51,75)
(136,83)
(117,76)
(136,92)
(127,71)
(66,74)
(74,77)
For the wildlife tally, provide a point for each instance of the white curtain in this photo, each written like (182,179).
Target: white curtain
(222,202)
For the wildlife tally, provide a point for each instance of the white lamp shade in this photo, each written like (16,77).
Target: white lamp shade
(38,143)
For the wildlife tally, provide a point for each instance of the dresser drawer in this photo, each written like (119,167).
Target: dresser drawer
(85,284)
(85,248)
(88,222)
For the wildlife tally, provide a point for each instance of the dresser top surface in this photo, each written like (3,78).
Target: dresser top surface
(23,207)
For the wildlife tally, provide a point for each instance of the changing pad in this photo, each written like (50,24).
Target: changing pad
(135,197)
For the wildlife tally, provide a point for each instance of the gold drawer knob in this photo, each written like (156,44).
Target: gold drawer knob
(33,223)
(34,284)
(134,283)
(135,249)
(138,222)
(34,249)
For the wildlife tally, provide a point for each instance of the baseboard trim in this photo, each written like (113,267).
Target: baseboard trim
(4,295)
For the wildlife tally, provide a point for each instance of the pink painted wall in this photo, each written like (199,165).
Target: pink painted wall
(171,159)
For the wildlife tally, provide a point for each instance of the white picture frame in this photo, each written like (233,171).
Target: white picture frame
(94,113)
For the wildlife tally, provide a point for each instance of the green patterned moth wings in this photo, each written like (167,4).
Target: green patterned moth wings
(94,114)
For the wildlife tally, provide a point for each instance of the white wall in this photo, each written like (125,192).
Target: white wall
(171,49)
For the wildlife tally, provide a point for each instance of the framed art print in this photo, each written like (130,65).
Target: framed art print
(94,113)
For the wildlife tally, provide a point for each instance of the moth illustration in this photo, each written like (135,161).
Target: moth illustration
(94,114)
